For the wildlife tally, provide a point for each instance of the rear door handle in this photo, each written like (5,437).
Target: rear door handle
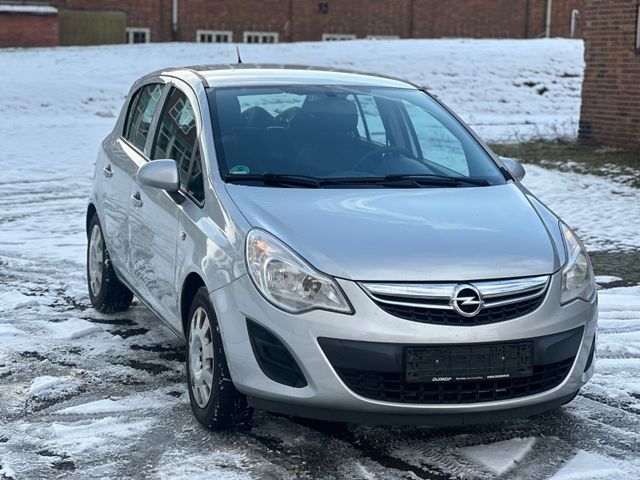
(108,173)
(136,199)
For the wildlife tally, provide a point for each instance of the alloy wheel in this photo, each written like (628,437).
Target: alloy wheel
(96,260)
(201,357)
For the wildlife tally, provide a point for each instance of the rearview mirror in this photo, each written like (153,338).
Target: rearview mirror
(515,167)
(162,174)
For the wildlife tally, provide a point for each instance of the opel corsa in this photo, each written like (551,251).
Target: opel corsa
(336,246)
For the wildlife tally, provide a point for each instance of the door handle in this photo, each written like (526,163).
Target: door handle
(136,199)
(108,173)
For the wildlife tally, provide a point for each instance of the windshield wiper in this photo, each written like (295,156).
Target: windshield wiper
(401,180)
(427,178)
(279,179)
(406,180)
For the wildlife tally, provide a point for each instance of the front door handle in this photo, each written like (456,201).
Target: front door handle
(136,199)
(108,173)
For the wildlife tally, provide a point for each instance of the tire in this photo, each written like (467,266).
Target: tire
(215,402)
(107,293)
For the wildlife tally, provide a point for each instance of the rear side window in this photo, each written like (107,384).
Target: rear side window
(143,108)
(177,140)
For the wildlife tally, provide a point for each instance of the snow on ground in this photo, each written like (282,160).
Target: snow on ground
(86,395)
(500,457)
(611,219)
(590,466)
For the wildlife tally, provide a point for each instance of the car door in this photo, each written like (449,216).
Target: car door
(123,151)
(154,214)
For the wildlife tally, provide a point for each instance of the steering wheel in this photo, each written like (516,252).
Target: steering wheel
(370,162)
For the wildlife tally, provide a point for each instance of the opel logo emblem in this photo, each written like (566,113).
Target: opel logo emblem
(467,300)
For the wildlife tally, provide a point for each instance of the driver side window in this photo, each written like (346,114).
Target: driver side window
(177,139)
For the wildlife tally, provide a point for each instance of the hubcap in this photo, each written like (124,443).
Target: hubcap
(96,260)
(201,357)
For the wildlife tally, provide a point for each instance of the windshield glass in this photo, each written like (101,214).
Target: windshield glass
(338,135)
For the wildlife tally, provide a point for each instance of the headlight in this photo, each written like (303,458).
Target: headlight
(286,280)
(577,275)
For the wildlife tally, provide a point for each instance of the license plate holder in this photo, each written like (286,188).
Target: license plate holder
(468,362)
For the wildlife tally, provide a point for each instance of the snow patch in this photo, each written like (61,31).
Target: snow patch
(223,465)
(9,331)
(605,279)
(140,402)
(589,466)
(620,303)
(13,300)
(44,383)
(73,328)
(101,436)
(611,220)
(499,457)
(7,472)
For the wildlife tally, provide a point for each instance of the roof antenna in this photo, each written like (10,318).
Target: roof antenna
(238,53)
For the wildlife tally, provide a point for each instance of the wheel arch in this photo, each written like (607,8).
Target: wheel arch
(192,283)
(91,211)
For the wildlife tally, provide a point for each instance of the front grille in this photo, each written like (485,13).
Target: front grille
(393,387)
(451,317)
(433,302)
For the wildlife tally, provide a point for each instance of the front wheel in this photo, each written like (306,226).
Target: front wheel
(106,292)
(215,402)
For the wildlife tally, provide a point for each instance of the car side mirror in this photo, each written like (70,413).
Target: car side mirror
(162,174)
(515,167)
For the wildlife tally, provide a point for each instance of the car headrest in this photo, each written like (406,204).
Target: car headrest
(331,115)
(257,117)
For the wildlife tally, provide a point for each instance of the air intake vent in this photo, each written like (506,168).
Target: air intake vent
(274,359)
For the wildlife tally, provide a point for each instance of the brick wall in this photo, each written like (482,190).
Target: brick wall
(237,16)
(305,20)
(611,93)
(28,30)
(492,19)
(152,14)
(356,17)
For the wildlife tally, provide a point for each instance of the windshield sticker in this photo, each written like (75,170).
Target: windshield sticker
(239,170)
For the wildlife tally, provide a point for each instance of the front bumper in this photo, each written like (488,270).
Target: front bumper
(327,395)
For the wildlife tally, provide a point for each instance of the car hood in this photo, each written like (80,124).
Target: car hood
(429,234)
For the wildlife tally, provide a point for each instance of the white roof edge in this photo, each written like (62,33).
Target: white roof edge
(30,9)
(297,75)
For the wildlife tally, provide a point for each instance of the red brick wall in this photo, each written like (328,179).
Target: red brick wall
(611,90)
(235,15)
(28,30)
(153,14)
(301,20)
(359,17)
(492,19)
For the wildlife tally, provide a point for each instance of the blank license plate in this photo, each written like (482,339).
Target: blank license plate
(469,362)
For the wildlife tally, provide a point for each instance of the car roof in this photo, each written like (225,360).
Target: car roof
(238,75)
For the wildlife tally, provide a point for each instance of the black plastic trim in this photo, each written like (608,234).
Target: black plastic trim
(592,353)
(273,358)
(376,418)
(389,357)
(377,371)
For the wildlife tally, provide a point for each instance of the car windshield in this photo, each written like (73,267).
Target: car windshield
(332,136)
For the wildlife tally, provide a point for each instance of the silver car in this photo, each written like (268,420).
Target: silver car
(337,246)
